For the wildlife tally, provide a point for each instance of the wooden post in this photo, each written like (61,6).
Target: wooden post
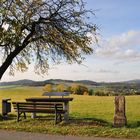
(33,115)
(119,116)
(66,115)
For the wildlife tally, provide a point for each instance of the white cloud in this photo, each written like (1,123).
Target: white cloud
(122,47)
(130,54)
(107,71)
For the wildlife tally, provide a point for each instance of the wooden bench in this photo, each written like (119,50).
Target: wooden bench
(38,107)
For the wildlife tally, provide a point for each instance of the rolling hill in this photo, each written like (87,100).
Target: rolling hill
(26,82)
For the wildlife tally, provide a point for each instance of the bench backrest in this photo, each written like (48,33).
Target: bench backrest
(37,105)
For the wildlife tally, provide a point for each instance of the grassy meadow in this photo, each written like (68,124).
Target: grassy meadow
(89,115)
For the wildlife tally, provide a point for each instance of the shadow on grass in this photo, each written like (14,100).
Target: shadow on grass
(88,121)
(100,122)
(8,117)
(72,121)
(133,124)
(14,117)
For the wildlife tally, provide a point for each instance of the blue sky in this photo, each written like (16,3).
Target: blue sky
(118,56)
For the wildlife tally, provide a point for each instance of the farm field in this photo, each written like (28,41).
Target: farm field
(90,115)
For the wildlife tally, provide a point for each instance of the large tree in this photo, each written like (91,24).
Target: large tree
(37,31)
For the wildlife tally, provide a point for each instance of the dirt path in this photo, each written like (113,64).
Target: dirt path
(13,135)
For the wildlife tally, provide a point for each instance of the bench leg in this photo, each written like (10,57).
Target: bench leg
(58,118)
(18,116)
(24,115)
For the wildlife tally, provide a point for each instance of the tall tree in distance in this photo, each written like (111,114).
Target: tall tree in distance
(37,31)
(48,88)
(60,88)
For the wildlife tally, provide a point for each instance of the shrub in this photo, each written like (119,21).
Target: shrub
(100,93)
(90,92)
(78,89)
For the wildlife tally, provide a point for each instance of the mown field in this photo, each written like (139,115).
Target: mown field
(90,115)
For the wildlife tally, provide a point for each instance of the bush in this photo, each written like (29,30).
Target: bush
(78,89)
(100,93)
(90,92)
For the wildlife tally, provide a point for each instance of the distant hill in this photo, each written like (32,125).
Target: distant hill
(136,81)
(20,82)
(88,82)
(27,82)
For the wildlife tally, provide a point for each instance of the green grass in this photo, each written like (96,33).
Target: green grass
(90,116)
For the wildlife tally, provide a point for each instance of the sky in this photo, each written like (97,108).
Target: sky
(117,57)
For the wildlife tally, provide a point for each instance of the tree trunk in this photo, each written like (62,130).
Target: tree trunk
(13,54)
(8,61)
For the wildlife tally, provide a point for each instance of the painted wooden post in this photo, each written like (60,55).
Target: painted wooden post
(119,116)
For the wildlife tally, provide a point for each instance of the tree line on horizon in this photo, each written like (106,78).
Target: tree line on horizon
(81,89)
